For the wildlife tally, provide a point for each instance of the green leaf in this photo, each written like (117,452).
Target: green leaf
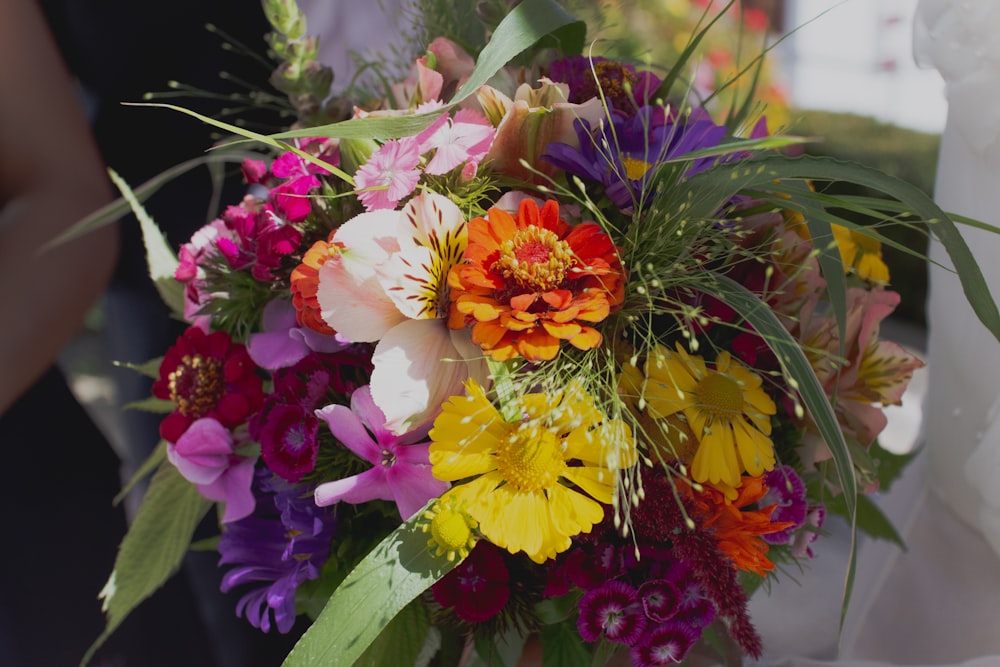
(153,547)
(150,369)
(402,641)
(797,367)
(160,256)
(396,571)
(709,189)
(114,210)
(889,465)
(525,25)
(152,462)
(870,519)
(498,651)
(556,610)
(562,646)
(152,404)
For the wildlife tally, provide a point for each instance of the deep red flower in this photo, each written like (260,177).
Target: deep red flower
(207,375)
(477,589)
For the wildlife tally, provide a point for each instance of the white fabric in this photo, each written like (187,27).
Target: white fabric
(938,603)
(959,38)
(368,28)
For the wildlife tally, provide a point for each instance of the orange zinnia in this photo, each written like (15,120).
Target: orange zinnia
(305,281)
(532,280)
(738,530)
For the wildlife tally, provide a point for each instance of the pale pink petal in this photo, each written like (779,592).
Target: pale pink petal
(416,369)
(369,485)
(350,297)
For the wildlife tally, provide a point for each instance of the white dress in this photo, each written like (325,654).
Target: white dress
(938,603)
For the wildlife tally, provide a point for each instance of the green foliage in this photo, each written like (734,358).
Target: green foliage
(153,548)
(906,154)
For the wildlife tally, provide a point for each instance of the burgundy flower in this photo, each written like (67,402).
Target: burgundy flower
(612,611)
(477,589)
(207,375)
(667,644)
(660,599)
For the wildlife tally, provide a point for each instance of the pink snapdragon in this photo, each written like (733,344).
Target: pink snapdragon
(205,455)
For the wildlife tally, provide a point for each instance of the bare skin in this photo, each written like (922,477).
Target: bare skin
(51,175)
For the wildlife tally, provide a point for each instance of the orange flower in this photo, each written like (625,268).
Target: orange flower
(532,280)
(305,281)
(737,530)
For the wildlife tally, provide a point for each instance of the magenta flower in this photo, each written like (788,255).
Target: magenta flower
(205,455)
(401,472)
(262,238)
(389,175)
(787,492)
(286,426)
(612,611)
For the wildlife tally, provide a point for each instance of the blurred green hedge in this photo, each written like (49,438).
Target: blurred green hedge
(906,154)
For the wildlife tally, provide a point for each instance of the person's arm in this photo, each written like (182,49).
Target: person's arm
(51,175)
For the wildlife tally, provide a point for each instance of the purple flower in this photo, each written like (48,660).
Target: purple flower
(623,158)
(282,544)
(667,644)
(205,455)
(612,611)
(786,491)
(283,343)
(578,72)
(402,470)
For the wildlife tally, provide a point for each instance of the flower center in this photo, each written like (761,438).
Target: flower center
(720,395)
(388,458)
(196,385)
(535,258)
(450,530)
(635,168)
(530,458)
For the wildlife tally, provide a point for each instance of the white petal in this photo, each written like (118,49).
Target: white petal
(417,368)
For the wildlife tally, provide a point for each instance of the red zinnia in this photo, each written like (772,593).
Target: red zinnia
(207,375)
(532,280)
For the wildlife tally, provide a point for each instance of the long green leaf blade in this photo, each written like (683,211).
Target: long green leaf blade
(160,256)
(391,576)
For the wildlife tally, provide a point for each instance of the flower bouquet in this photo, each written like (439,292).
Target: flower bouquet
(532,351)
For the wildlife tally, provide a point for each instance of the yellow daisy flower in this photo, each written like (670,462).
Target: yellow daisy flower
(861,254)
(725,407)
(517,491)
